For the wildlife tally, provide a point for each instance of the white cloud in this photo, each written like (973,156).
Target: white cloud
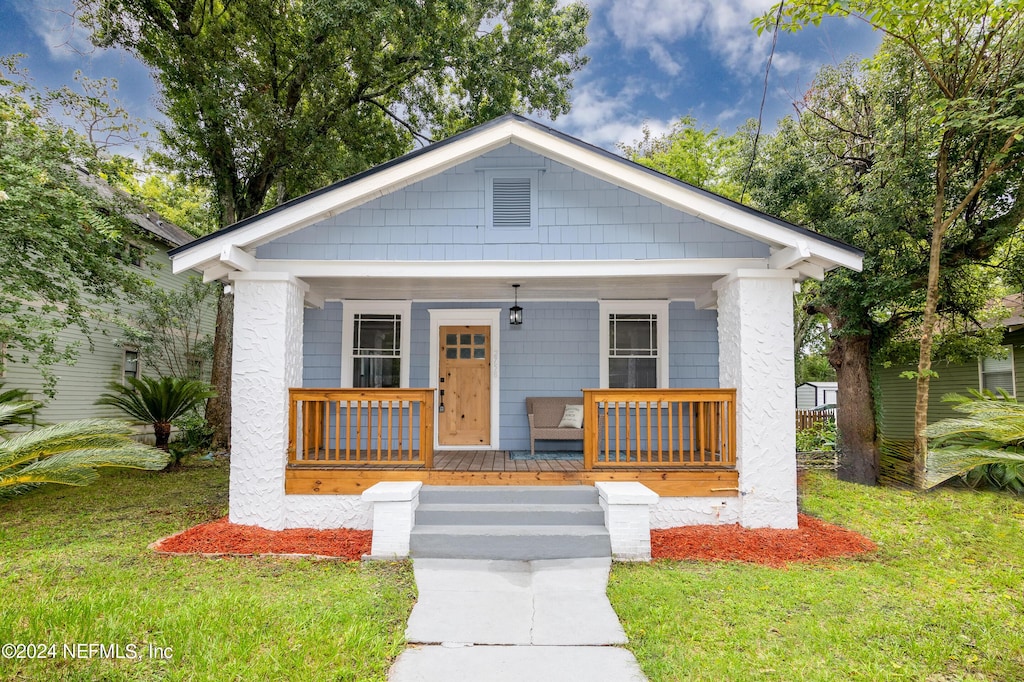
(606,119)
(660,56)
(53,22)
(724,25)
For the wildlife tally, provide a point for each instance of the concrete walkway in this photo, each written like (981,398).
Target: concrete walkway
(513,620)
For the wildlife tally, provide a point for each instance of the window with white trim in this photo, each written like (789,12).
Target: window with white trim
(375,344)
(997,373)
(634,344)
(130,364)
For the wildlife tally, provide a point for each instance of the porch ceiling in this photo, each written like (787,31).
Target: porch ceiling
(500,288)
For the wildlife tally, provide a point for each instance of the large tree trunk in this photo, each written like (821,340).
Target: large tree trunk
(855,413)
(218,408)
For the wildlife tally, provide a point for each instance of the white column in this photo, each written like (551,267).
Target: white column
(266,361)
(627,516)
(755,356)
(394,515)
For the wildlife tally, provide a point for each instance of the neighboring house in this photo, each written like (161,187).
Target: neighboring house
(813,394)
(895,395)
(79,384)
(377,333)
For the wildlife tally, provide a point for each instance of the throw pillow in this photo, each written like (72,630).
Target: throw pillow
(572,417)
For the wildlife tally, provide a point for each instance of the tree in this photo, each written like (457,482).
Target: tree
(168,328)
(157,402)
(69,453)
(58,238)
(969,59)
(703,158)
(267,100)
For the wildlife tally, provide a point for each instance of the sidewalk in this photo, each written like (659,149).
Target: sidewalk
(514,620)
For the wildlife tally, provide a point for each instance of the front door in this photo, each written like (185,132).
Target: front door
(464,385)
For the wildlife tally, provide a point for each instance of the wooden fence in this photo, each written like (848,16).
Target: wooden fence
(805,419)
(641,428)
(361,426)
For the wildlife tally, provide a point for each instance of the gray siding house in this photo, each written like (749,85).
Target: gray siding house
(391,326)
(79,384)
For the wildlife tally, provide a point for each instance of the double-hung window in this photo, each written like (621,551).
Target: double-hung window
(634,344)
(375,344)
(997,373)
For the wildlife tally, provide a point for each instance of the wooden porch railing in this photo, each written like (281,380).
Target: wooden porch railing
(361,426)
(640,428)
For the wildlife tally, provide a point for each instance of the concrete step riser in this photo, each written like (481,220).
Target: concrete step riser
(473,515)
(508,548)
(508,495)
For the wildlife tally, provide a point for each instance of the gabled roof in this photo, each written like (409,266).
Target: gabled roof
(150,221)
(797,243)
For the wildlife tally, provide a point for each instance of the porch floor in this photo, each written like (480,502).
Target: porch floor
(499,460)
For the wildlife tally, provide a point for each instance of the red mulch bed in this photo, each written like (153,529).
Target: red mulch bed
(812,541)
(222,537)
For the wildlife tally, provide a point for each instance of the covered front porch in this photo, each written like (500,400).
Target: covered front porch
(678,442)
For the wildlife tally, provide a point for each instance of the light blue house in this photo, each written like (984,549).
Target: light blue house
(376,333)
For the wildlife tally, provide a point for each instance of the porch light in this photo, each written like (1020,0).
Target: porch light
(515,313)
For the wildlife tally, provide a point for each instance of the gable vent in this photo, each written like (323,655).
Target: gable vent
(510,203)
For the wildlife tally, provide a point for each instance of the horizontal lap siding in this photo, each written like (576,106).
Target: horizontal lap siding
(579,218)
(79,385)
(555,352)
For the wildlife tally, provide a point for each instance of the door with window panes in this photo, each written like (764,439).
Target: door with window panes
(464,385)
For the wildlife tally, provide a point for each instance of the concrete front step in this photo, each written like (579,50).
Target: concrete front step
(509,542)
(516,523)
(510,514)
(508,494)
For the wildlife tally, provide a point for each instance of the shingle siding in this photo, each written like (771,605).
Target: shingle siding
(579,217)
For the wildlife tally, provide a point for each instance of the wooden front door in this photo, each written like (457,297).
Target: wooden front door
(464,385)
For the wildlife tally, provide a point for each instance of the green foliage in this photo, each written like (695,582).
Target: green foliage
(168,328)
(156,401)
(703,158)
(269,100)
(58,237)
(821,436)
(69,454)
(814,367)
(990,436)
(15,409)
(195,435)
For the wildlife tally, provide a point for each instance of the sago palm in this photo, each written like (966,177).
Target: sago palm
(992,433)
(157,401)
(69,453)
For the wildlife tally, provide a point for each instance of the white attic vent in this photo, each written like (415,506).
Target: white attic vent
(512,203)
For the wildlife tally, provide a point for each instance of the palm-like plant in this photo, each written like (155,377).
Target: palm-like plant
(69,454)
(992,434)
(157,401)
(15,410)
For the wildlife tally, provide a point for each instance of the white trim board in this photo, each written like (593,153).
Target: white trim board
(491,317)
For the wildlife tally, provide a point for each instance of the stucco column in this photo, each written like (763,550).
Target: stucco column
(266,361)
(755,341)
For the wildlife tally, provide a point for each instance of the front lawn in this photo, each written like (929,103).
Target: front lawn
(75,570)
(942,598)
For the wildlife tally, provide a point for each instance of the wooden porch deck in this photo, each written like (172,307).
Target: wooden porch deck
(496,467)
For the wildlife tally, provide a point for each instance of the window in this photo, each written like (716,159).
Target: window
(511,204)
(130,254)
(634,344)
(194,366)
(375,343)
(997,373)
(377,351)
(130,364)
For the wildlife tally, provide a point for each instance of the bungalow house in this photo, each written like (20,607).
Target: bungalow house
(392,326)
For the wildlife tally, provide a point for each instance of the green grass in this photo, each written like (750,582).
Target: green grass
(941,599)
(74,568)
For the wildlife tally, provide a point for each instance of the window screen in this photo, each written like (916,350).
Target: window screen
(376,351)
(632,351)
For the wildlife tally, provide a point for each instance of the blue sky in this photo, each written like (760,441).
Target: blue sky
(651,61)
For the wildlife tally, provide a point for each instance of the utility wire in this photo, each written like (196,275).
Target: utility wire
(764,96)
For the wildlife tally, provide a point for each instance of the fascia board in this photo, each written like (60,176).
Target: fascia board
(672,194)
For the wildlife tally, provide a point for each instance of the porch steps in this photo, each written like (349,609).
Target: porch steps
(509,523)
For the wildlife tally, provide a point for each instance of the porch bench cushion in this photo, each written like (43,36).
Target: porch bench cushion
(544,414)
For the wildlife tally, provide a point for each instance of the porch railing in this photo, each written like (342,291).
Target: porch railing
(640,428)
(361,426)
